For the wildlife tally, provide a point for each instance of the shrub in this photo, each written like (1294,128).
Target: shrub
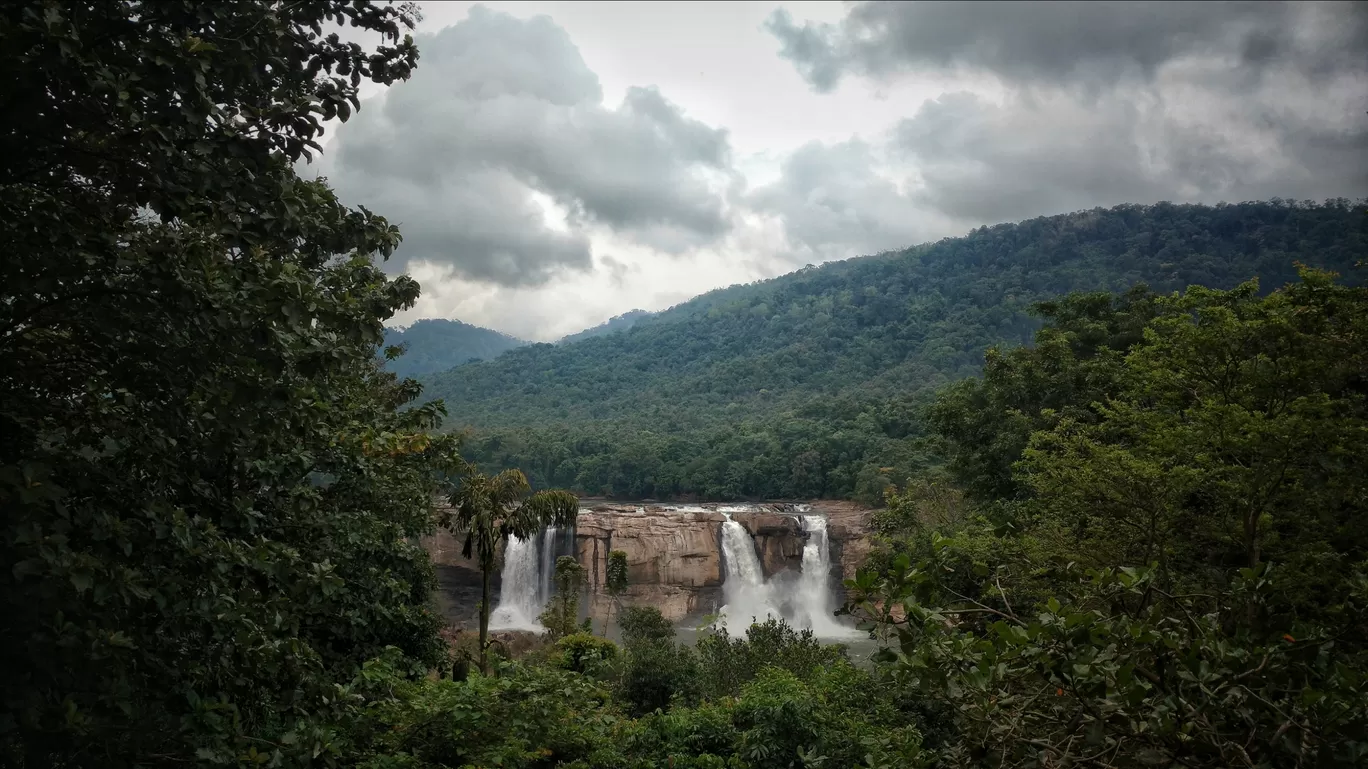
(528,716)
(726,664)
(656,674)
(584,652)
(703,735)
(644,623)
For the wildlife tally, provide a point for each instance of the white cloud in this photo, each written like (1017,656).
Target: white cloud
(554,164)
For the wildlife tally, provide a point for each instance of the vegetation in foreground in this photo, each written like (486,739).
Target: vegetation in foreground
(1146,545)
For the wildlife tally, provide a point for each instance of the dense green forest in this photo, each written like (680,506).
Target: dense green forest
(435,344)
(1148,548)
(809,385)
(1144,542)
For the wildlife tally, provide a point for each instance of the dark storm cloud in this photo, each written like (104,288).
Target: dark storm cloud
(500,108)
(986,162)
(1110,103)
(1095,43)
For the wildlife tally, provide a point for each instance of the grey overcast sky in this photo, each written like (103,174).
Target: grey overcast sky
(554,164)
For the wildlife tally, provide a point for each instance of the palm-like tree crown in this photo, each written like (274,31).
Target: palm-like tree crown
(489,508)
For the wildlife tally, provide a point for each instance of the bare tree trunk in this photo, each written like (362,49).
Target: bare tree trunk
(484,619)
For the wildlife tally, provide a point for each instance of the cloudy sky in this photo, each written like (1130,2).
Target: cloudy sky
(554,164)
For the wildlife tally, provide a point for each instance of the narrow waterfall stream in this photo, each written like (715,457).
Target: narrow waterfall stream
(814,587)
(547,565)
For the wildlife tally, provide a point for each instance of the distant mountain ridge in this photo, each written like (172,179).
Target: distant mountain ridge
(437,344)
(810,384)
(613,325)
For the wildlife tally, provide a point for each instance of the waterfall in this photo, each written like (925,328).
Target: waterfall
(807,601)
(519,587)
(743,585)
(528,579)
(548,565)
(814,586)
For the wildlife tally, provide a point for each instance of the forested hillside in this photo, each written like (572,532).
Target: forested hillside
(809,384)
(435,344)
(613,325)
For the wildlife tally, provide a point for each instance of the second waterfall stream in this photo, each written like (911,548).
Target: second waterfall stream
(806,603)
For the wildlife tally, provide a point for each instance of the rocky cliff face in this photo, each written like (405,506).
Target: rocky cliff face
(673,558)
(674,553)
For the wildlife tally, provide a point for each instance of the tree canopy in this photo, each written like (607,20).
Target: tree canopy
(210,487)
(1178,570)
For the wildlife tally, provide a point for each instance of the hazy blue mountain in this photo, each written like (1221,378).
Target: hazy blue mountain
(435,344)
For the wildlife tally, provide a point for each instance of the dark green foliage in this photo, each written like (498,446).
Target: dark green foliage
(524,717)
(784,721)
(1239,435)
(657,674)
(656,671)
(697,737)
(616,582)
(561,617)
(1183,576)
(644,624)
(584,652)
(532,716)
(1122,674)
(434,344)
(1074,363)
(729,663)
(210,490)
(808,385)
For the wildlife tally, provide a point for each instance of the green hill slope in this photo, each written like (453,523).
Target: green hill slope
(810,384)
(438,345)
(614,325)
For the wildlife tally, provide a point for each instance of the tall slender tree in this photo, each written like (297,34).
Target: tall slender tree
(486,510)
(615,583)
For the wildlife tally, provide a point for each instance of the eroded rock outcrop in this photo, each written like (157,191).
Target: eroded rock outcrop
(674,561)
(778,538)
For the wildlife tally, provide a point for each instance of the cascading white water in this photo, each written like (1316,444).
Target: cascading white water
(814,587)
(528,579)
(520,587)
(743,585)
(547,565)
(807,601)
